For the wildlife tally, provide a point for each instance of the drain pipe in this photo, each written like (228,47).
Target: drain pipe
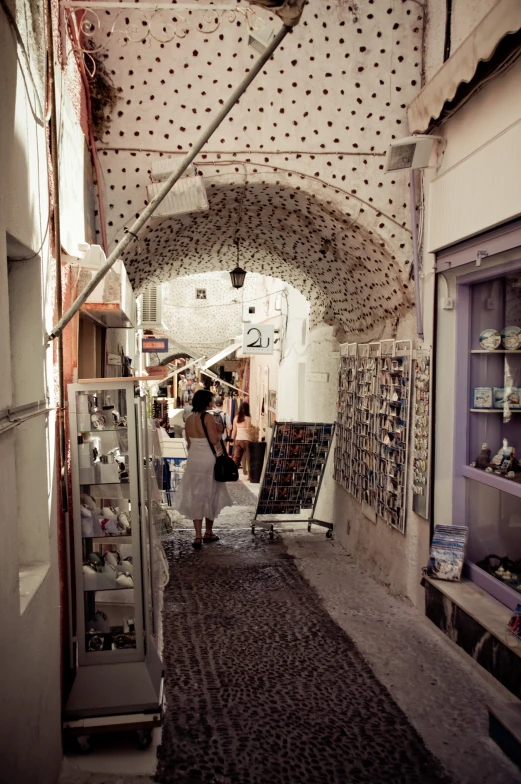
(131,234)
(416,263)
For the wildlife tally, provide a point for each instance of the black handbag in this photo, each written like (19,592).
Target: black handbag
(225,469)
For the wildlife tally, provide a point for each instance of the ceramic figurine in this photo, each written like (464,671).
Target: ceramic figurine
(483,459)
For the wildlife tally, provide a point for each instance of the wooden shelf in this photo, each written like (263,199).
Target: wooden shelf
(492,480)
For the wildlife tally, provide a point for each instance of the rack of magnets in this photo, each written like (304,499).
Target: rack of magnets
(370,460)
(294,471)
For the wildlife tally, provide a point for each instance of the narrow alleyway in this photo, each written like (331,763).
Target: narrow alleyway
(285,664)
(262,685)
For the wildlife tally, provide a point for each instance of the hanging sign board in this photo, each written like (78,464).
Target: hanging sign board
(152,345)
(258,339)
(157,371)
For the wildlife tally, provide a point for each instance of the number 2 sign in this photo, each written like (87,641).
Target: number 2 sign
(258,339)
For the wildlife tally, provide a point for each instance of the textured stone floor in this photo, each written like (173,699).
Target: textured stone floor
(302,639)
(263,686)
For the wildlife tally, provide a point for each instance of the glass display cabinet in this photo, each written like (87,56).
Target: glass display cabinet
(488,427)
(117,568)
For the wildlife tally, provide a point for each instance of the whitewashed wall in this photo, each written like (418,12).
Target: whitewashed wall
(30,732)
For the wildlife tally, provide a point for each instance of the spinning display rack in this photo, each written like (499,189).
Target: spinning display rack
(372,427)
(119,563)
(294,471)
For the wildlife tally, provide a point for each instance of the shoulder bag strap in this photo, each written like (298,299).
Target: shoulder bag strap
(206,434)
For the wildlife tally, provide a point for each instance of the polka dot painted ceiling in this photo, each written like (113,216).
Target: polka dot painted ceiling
(307,140)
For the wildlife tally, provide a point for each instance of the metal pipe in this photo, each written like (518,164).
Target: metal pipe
(417,291)
(16,422)
(131,234)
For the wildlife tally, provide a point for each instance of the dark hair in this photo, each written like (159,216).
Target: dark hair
(201,400)
(244,411)
(218,401)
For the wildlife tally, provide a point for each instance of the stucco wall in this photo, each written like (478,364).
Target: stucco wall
(30,738)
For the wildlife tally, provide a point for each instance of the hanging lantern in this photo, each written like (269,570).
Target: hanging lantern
(238,275)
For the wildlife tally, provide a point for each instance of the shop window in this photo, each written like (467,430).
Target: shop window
(33,443)
(490,329)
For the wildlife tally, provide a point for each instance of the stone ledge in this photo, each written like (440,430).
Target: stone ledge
(477,623)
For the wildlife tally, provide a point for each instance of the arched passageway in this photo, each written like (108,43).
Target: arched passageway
(332,255)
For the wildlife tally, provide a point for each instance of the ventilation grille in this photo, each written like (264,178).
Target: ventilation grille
(187,195)
(151,306)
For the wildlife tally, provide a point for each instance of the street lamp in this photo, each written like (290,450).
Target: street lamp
(238,275)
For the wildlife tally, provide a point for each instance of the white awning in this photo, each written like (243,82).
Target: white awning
(224,353)
(502,19)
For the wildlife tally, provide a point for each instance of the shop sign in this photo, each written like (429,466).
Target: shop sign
(231,365)
(157,371)
(154,344)
(258,339)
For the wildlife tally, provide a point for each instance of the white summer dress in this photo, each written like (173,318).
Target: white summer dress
(199,495)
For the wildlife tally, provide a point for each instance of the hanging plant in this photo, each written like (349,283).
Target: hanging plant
(103,94)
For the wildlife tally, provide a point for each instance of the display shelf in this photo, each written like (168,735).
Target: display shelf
(511,486)
(372,427)
(108,539)
(105,430)
(496,351)
(492,411)
(108,590)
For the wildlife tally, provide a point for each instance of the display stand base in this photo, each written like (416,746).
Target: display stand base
(112,697)
(268,525)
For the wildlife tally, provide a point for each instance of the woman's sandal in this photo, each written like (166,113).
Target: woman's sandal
(197,543)
(210,538)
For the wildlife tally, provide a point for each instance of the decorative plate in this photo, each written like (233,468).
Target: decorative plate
(490,339)
(511,338)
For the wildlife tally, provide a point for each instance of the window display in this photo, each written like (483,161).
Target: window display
(106,486)
(492,470)
(117,554)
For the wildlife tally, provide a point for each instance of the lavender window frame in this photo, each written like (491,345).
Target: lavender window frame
(462,471)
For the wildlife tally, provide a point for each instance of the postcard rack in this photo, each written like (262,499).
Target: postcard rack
(372,428)
(293,475)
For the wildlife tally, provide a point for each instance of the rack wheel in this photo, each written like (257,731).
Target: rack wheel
(309,528)
(272,532)
(144,738)
(329,533)
(83,744)
(253,530)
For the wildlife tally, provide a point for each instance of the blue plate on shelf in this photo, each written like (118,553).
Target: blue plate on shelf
(511,338)
(490,339)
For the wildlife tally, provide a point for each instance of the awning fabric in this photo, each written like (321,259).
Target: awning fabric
(289,11)
(502,19)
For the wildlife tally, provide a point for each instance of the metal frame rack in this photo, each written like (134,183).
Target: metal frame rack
(293,474)
(371,454)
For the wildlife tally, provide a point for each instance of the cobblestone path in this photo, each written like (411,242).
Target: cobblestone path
(263,687)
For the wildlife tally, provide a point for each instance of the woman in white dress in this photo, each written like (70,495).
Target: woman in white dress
(199,496)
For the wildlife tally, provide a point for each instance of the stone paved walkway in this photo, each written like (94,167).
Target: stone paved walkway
(285,663)
(263,686)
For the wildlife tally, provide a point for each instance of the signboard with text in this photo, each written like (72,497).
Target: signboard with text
(258,339)
(151,344)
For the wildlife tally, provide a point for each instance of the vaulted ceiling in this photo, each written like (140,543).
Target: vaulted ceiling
(303,150)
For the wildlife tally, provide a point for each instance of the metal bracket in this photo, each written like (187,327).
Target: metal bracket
(481,254)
